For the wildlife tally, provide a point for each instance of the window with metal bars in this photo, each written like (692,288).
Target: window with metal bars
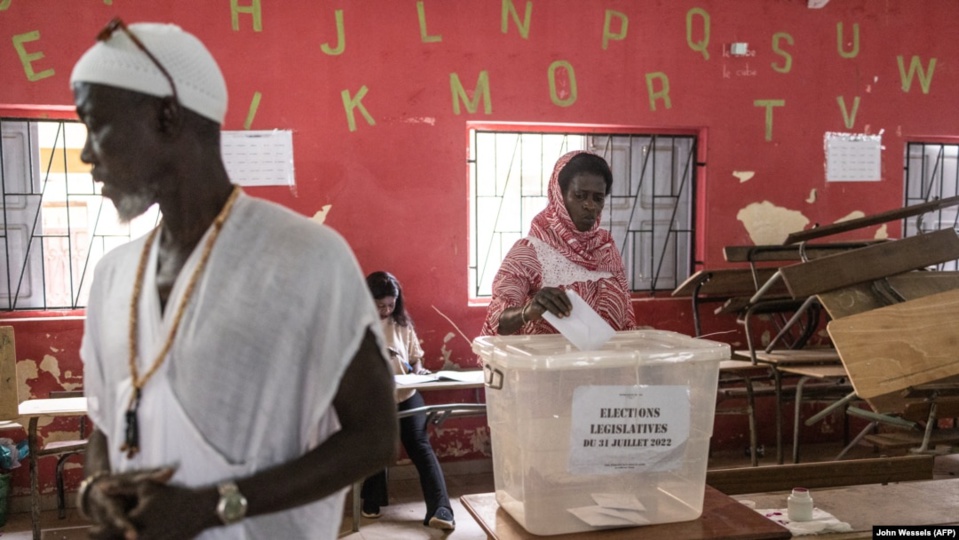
(649,211)
(56,226)
(931,173)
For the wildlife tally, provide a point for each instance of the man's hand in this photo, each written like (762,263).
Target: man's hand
(110,500)
(143,505)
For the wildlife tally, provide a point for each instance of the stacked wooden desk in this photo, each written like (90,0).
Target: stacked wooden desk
(891,318)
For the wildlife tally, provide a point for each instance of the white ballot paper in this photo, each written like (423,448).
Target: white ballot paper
(584,327)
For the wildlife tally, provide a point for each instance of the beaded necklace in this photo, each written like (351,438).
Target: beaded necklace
(131,443)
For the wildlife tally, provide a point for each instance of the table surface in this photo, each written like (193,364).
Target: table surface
(54,407)
(723,517)
(926,502)
(474,376)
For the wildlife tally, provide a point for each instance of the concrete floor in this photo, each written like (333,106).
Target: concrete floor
(402,519)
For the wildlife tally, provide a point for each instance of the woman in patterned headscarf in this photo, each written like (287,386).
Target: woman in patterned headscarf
(565,250)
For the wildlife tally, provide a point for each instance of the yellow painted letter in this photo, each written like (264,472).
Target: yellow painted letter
(27,59)
(855,41)
(251,113)
(788,64)
(662,93)
(424,35)
(4,4)
(769,104)
(849,120)
(354,103)
(702,45)
(509,9)
(570,92)
(252,9)
(914,65)
(608,33)
(481,91)
(340,36)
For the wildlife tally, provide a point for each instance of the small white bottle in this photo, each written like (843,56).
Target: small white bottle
(799,505)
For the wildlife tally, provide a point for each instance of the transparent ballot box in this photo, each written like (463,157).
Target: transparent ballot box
(589,440)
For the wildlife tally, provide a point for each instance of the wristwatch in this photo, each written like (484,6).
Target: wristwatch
(232,505)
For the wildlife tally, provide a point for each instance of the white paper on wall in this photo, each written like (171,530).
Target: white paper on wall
(258,158)
(853,157)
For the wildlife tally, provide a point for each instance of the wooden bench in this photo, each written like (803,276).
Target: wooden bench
(740,480)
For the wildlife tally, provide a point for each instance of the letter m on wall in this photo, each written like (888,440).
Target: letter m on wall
(480,92)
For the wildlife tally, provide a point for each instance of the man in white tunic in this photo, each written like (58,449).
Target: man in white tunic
(233,361)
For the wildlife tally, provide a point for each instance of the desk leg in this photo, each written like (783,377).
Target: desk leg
(751,412)
(357,503)
(779,415)
(799,385)
(34,478)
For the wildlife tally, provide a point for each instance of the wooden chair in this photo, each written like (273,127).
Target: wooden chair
(64,450)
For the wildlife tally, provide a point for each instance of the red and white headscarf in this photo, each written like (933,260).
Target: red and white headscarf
(593,249)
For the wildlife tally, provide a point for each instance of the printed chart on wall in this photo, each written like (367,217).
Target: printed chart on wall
(628,428)
(853,157)
(258,158)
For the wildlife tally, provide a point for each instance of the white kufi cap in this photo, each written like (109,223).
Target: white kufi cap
(119,62)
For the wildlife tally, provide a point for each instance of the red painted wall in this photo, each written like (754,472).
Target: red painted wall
(397,186)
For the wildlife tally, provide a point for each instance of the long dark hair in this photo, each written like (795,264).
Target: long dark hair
(383,284)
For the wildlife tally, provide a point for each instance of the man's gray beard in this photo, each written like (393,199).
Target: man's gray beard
(133,205)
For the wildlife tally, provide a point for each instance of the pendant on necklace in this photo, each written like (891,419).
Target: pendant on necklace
(131,444)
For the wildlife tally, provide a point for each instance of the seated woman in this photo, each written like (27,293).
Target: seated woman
(406,356)
(565,250)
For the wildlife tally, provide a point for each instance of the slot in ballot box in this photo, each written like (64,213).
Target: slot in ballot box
(590,440)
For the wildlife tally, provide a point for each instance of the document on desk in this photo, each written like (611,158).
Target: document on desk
(468,376)
(584,327)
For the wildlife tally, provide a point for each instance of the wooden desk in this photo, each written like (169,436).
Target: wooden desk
(820,372)
(723,517)
(780,358)
(33,409)
(474,379)
(928,502)
(742,371)
(722,284)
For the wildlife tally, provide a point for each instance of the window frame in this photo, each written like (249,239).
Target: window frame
(77,304)
(696,208)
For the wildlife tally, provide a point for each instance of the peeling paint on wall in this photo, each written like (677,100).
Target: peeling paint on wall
(444,350)
(744,175)
(812,196)
(851,216)
(320,216)
(882,233)
(767,223)
(480,442)
(421,120)
(26,371)
(51,365)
